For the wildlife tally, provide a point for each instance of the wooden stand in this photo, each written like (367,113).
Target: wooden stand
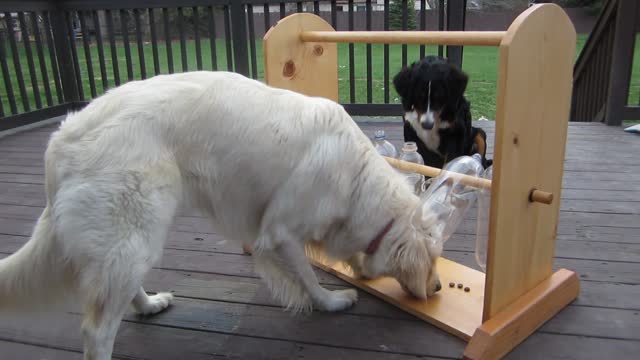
(520,291)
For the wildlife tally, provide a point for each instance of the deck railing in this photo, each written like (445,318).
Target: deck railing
(58,55)
(603,71)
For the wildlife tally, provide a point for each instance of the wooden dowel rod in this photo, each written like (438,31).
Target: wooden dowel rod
(536,195)
(473,38)
(540,196)
(433,172)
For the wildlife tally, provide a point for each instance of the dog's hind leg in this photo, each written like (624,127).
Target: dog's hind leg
(111,278)
(103,314)
(112,286)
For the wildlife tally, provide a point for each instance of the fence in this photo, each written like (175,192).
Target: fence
(603,72)
(64,53)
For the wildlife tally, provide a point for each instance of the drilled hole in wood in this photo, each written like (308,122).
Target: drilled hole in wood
(515,140)
(318,50)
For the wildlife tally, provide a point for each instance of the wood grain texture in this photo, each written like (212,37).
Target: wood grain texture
(534,93)
(451,309)
(17,350)
(205,332)
(307,67)
(508,328)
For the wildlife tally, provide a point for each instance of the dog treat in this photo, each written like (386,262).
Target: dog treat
(451,284)
(467,289)
(460,285)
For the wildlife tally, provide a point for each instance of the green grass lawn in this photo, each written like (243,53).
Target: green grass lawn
(481,63)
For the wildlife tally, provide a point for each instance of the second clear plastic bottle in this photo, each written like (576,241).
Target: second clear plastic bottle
(409,153)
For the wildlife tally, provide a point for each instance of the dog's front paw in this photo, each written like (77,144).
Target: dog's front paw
(338,300)
(156,304)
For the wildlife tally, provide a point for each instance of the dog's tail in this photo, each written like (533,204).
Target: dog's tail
(34,275)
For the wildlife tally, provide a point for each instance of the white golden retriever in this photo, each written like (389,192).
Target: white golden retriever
(273,169)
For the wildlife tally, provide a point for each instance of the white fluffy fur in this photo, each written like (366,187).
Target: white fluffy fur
(272,168)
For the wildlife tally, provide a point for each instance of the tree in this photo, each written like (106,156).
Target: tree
(396,8)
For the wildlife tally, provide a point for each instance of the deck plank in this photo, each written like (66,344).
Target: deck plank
(563,347)
(599,269)
(600,190)
(17,350)
(139,339)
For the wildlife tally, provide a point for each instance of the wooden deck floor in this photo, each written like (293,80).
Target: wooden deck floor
(223,311)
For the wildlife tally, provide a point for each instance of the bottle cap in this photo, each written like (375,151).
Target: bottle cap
(410,146)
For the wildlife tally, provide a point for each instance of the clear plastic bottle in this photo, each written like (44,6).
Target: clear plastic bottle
(384,147)
(447,200)
(409,153)
(482,226)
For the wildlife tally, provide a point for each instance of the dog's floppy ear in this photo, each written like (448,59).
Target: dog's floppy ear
(457,81)
(411,259)
(402,81)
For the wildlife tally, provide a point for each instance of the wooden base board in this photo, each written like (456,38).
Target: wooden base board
(451,309)
(509,327)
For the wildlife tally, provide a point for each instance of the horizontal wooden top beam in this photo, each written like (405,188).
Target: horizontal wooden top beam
(471,38)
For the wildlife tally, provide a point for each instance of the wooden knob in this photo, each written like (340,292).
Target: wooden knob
(540,196)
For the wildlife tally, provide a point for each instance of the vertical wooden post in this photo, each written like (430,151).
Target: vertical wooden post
(622,59)
(534,96)
(306,67)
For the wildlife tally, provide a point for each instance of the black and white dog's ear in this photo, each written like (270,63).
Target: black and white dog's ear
(457,81)
(402,81)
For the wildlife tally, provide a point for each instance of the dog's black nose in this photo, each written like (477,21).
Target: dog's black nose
(427,125)
(438,286)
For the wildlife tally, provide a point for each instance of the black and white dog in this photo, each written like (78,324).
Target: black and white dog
(436,114)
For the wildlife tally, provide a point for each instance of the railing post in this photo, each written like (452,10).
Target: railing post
(59,28)
(239,36)
(456,11)
(621,62)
